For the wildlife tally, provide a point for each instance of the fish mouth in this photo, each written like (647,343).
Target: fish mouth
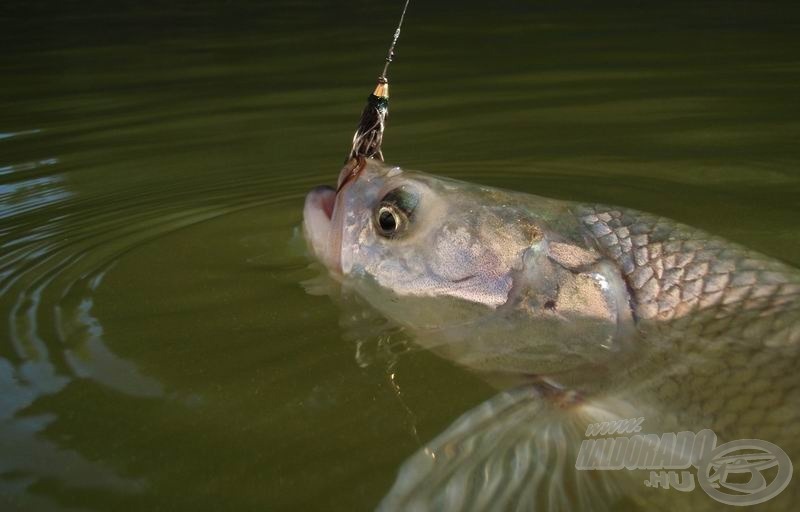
(321,235)
(322,220)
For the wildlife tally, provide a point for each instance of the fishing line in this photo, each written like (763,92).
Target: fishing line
(369,135)
(390,54)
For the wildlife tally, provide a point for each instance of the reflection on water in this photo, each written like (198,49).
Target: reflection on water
(156,345)
(48,293)
(29,268)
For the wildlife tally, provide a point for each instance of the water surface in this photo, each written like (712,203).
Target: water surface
(157,348)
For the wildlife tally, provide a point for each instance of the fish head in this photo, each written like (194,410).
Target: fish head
(403,234)
(466,265)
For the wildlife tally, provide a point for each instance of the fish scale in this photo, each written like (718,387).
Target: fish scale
(725,322)
(583,313)
(674,271)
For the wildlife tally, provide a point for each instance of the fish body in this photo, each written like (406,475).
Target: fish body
(595,312)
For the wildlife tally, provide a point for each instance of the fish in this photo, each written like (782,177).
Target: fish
(582,315)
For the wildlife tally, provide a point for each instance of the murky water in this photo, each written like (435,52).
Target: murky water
(157,347)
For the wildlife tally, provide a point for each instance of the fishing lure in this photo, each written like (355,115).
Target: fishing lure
(369,135)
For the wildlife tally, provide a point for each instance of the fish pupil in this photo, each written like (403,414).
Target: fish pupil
(387,221)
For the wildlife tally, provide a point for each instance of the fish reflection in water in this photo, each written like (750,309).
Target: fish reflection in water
(585,313)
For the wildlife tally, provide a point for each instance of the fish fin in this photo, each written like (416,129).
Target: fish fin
(516,451)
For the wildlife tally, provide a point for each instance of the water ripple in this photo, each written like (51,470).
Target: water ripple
(58,244)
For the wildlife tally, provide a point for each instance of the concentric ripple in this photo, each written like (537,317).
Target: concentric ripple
(57,244)
(157,349)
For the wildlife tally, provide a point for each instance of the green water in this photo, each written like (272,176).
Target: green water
(157,350)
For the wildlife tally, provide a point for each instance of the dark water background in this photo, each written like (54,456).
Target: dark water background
(157,351)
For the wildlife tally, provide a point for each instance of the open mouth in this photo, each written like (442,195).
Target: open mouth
(325,199)
(318,225)
(322,233)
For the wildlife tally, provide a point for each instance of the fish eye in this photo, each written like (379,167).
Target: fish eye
(394,212)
